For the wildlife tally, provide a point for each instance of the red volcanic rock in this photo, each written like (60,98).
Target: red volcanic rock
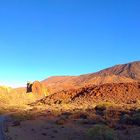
(128,93)
(37,87)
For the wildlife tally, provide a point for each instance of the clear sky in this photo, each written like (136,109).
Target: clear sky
(42,38)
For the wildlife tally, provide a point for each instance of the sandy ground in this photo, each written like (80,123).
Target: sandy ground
(46,128)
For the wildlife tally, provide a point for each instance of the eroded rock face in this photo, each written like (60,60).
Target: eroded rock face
(37,88)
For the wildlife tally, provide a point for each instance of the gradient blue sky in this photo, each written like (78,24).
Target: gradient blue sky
(42,38)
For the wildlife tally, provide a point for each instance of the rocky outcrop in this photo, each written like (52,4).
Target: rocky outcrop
(29,87)
(37,88)
(122,93)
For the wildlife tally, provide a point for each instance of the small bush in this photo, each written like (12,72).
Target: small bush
(104,105)
(136,119)
(125,119)
(61,121)
(102,132)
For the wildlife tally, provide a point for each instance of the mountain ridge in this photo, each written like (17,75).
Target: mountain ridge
(122,73)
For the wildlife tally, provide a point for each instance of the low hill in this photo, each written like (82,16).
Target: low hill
(5,89)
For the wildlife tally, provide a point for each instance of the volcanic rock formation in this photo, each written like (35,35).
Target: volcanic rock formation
(119,93)
(37,87)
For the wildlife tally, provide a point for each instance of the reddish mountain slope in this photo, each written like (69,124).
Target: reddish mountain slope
(130,70)
(125,73)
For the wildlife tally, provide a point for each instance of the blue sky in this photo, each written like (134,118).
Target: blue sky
(42,38)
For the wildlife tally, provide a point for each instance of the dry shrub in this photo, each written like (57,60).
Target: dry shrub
(105,105)
(101,132)
(21,116)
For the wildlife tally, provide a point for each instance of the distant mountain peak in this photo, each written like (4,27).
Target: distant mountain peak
(129,70)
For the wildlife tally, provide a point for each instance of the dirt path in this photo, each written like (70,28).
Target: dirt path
(2,121)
